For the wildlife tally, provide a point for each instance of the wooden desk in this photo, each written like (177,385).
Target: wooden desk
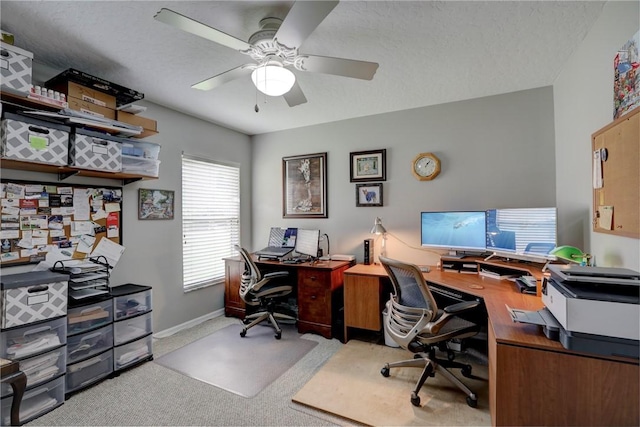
(532,380)
(319,291)
(10,372)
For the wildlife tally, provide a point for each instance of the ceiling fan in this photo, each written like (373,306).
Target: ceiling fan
(274,48)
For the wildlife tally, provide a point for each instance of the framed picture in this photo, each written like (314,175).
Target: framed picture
(155,204)
(368,165)
(369,194)
(304,186)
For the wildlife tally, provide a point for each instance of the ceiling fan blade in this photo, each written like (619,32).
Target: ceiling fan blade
(302,20)
(295,96)
(223,78)
(340,67)
(192,26)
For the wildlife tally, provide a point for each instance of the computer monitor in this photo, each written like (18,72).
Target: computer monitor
(307,242)
(522,233)
(459,232)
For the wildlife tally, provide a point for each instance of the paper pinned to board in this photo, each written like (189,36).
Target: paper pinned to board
(605,219)
(108,249)
(597,170)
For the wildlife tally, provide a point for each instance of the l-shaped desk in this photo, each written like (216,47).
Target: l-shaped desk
(532,380)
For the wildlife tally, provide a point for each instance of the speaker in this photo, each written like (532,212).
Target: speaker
(368,251)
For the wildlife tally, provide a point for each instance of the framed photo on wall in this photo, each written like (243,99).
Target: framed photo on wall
(368,165)
(155,204)
(369,194)
(304,186)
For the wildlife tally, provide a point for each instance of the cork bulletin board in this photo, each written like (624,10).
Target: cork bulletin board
(39,217)
(616,176)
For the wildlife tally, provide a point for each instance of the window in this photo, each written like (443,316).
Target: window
(210,219)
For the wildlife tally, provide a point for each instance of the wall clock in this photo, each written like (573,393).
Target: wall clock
(425,166)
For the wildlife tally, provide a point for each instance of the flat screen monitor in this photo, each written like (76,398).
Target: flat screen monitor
(307,242)
(456,231)
(522,231)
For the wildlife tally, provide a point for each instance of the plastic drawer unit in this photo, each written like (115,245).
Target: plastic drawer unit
(33,339)
(90,316)
(130,300)
(89,371)
(35,402)
(40,369)
(129,354)
(33,296)
(83,346)
(131,328)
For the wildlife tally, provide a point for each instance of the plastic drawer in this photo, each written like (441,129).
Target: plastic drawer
(128,354)
(131,328)
(41,368)
(131,304)
(88,371)
(35,402)
(87,317)
(33,339)
(140,165)
(83,346)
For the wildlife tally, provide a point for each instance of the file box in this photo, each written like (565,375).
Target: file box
(96,151)
(32,140)
(15,68)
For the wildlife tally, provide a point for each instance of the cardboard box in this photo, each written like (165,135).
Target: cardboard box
(150,126)
(85,94)
(91,108)
(96,151)
(15,68)
(28,139)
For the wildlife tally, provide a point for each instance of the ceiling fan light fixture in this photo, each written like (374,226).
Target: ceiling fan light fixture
(273,79)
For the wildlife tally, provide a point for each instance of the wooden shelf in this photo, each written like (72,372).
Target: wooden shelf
(65,172)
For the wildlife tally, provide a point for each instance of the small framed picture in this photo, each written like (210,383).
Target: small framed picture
(368,165)
(369,194)
(155,204)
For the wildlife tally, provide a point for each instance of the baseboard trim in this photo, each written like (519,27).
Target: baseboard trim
(189,324)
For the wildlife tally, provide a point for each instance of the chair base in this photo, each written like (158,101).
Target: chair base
(261,316)
(430,365)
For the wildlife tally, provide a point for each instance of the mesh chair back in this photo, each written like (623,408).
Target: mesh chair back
(250,277)
(409,285)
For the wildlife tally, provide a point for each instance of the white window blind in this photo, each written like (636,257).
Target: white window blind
(210,219)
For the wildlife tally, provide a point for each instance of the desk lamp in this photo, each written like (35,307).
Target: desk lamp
(379,229)
(571,254)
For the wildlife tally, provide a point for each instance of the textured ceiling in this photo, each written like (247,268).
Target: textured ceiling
(429,52)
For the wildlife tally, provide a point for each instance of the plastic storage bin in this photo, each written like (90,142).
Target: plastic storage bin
(32,339)
(128,354)
(41,368)
(141,149)
(35,402)
(131,328)
(140,166)
(88,317)
(82,374)
(83,346)
(130,300)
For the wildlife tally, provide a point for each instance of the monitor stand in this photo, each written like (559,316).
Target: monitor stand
(456,254)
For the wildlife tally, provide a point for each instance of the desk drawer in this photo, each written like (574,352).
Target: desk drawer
(314,296)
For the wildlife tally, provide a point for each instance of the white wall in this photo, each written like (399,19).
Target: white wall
(153,254)
(583,103)
(496,152)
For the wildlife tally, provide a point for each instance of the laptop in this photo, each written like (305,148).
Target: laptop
(282,241)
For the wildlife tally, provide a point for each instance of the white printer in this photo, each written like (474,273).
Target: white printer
(594,300)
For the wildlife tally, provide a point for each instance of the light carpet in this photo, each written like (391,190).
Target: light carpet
(350,385)
(243,366)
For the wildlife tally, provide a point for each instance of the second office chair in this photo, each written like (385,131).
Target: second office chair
(261,291)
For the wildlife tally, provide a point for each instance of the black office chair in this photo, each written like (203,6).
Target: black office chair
(416,324)
(261,291)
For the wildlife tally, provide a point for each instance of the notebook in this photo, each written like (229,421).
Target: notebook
(282,241)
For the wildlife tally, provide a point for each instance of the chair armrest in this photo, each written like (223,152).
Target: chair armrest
(275,274)
(460,307)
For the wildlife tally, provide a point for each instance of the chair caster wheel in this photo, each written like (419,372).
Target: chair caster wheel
(472,401)
(385,371)
(243,332)
(415,399)
(417,356)
(466,371)
(246,321)
(278,335)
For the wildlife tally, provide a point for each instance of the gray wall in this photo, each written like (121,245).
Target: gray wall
(583,101)
(496,152)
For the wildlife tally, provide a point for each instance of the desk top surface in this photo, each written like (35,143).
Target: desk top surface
(497,294)
(321,265)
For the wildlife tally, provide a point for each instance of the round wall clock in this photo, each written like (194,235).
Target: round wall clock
(426,166)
